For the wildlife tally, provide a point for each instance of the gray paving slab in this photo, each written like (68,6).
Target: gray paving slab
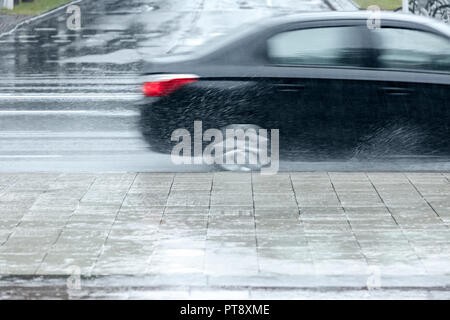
(300,229)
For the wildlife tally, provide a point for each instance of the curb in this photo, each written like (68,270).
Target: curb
(48,13)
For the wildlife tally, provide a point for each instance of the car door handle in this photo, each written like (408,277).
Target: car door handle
(396,91)
(289,87)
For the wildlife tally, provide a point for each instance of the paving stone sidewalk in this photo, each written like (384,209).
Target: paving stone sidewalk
(229,229)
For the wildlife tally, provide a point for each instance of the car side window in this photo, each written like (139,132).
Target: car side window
(411,49)
(328,46)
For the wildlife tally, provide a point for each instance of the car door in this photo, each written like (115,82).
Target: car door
(323,98)
(415,92)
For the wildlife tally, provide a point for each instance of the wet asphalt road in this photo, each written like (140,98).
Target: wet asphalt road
(67,98)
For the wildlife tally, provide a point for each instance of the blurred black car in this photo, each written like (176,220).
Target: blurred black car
(334,86)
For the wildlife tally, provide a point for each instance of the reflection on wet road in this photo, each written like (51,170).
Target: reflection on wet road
(66,97)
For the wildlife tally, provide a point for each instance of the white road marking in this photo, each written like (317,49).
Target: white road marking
(26,36)
(127,96)
(69,134)
(9,156)
(68,35)
(92,113)
(44,29)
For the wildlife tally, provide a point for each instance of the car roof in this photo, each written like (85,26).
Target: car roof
(357,15)
(262,25)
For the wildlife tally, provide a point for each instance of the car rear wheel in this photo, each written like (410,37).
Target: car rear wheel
(246,149)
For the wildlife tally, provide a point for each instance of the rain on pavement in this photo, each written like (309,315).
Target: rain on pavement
(67,96)
(225,235)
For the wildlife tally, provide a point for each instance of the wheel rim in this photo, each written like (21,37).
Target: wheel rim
(247,152)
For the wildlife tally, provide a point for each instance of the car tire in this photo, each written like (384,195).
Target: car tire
(243,149)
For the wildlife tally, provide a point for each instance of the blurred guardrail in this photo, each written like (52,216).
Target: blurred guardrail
(439,9)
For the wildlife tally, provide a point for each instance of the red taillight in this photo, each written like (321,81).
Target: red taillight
(163,86)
